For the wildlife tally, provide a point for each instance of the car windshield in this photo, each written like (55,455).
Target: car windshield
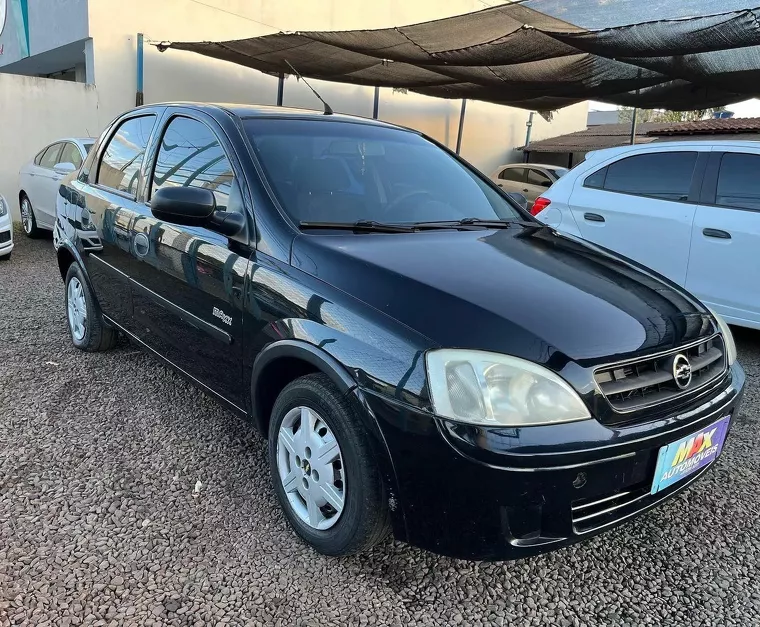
(327,171)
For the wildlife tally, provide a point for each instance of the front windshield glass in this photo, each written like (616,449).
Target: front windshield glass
(326,171)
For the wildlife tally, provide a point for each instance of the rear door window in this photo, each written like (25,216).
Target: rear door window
(536,177)
(665,175)
(739,181)
(120,165)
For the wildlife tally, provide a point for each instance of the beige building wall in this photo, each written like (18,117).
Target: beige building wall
(491,132)
(36,112)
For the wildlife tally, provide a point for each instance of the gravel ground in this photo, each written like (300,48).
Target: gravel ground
(127,497)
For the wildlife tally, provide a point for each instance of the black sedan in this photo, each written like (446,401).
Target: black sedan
(422,355)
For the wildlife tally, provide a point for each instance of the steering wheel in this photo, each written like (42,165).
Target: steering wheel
(404,198)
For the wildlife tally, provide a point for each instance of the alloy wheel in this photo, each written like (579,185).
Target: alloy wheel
(77,309)
(310,466)
(26,216)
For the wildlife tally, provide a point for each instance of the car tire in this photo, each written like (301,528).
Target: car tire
(89,332)
(28,221)
(6,257)
(363,519)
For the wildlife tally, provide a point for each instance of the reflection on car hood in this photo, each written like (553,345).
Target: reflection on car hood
(527,292)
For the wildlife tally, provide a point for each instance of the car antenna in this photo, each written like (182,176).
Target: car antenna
(328,108)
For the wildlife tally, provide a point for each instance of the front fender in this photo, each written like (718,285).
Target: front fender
(303,351)
(315,356)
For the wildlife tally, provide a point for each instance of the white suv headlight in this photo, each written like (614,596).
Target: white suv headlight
(728,338)
(3,206)
(483,388)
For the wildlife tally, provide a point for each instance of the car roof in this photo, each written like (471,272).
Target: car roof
(671,145)
(271,111)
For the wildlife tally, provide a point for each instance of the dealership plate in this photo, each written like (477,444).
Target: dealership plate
(684,457)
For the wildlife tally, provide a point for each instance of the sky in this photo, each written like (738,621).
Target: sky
(746,109)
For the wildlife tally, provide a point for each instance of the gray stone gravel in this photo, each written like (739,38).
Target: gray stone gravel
(101,523)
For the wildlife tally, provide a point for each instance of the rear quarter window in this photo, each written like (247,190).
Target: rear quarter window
(596,180)
(739,181)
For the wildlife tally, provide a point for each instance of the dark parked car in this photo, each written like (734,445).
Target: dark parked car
(422,355)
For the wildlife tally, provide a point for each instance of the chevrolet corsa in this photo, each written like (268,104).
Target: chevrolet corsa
(421,354)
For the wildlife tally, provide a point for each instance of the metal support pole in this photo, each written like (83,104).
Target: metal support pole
(376,103)
(529,124)
(139,98)
(633,125)
(461,125)
(280,88)
(635,116)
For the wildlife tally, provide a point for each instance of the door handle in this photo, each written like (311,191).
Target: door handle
(717,233)
(593,217)
(500,184)
(526,190)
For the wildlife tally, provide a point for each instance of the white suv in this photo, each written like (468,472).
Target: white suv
(690,210)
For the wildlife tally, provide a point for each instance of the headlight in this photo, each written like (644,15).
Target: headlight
(3,206)
(496,390)
(728,338)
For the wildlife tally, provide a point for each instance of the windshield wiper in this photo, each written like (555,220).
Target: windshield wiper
(465,222)
(367,226)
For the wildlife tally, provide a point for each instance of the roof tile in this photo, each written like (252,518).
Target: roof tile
(722,125)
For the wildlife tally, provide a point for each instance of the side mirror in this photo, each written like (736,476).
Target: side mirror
(64,167)
(519,199)
(195,206)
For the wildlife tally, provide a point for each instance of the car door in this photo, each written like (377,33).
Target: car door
(106,193)
(42,186)
(188,282)
(724,264)
(643,206)
(512,179)
(536,183)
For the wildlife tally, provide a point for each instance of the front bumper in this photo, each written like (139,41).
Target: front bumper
(6,235)
(493,494)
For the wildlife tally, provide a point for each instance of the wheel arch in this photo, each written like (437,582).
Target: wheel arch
(284,361)
(68,254)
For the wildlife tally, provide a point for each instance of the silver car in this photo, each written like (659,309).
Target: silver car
(529,179)
(40,178)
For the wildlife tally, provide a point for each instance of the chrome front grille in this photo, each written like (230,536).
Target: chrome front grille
(639,383)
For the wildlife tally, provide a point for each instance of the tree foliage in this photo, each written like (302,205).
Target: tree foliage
(625,114)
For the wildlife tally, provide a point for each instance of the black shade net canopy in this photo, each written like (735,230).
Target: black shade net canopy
(536,54)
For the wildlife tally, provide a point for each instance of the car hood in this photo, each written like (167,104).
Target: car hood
(528,292)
